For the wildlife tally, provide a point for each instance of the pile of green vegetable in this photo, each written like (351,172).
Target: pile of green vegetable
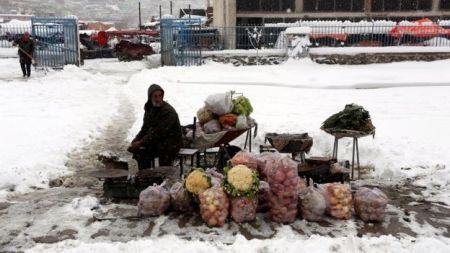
(241,105)
(353,117)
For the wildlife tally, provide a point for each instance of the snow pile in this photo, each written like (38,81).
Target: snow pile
(44,118)
(286,240)
(83,206)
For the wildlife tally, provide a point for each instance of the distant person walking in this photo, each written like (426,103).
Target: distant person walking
(26,49)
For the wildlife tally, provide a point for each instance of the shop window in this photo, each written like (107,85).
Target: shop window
(288,4)
(408,5)
(391,5)
(343,5)
(270,5)
(358,5)
(377,5)
(325,5)
(248,5)
(424,5)
(310,5)
(444,5)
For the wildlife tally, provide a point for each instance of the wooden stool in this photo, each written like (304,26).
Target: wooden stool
(190,152)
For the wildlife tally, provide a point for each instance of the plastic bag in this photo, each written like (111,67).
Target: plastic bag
(212,126)
(312,204)
(204,115)
(216,177)
(219,103)
(339,200)
(214,206)
(153,201)
(198,132)
(241,122)
(245,158)
(263,196)
(228,121)
(370,204)
(337,168)
(301,184)
(243,209)
(180,200)
(266,161)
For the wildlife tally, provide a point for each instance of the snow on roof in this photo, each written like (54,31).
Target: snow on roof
(15,22)
(112,29)
(87,32)
(298,30)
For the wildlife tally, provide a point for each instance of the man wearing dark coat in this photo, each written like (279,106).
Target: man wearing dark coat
(26,49)
(160,134)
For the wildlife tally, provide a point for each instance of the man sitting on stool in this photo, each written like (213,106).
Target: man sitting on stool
(160,136)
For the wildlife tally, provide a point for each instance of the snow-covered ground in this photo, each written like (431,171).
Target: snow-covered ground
(45,117)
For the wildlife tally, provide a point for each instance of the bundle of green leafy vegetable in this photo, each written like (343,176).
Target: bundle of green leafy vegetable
(353,117)
(241,105)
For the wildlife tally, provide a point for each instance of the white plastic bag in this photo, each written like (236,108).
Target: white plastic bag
(219,103)
(212,126)
(312,204)
(241,122)
(153,201)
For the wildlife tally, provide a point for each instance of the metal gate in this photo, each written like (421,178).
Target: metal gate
(180,42)
(56,41)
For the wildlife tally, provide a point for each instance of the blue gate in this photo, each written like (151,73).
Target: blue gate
(181,42)
(56,41)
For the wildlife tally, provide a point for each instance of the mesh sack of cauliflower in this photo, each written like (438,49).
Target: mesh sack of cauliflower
(245,158)
(240,181)
(214,205)
(242,185)
(153,201)
(180,200)
(197,181)
(339,200)
(370,204)
(312,204)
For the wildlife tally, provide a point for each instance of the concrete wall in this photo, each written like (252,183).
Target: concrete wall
(225,16)
(376,58)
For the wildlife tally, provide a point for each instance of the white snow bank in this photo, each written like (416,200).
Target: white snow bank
(285,241)
(45,117)
(10,52)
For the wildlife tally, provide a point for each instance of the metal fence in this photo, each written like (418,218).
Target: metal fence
(249,37)
(12,32)
(181,42)
(57,41)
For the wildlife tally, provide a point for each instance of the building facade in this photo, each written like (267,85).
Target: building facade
(230,13)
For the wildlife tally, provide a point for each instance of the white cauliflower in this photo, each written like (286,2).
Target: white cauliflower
(197,181)
(241,177)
